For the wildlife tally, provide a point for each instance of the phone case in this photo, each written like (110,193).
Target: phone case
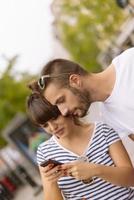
(50,161)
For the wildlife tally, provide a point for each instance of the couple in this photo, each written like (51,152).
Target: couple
(106,163)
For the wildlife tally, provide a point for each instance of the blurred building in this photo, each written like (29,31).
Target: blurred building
(124,39)
(23,135)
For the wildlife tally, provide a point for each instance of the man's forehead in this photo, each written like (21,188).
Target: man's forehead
(52,93)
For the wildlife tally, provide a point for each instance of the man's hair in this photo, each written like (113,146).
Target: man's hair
(62,66)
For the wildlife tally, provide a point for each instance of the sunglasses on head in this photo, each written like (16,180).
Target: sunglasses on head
(41,81)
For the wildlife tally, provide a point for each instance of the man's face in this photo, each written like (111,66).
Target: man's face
(70,101)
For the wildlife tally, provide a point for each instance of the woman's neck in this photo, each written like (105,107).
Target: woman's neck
(78,139)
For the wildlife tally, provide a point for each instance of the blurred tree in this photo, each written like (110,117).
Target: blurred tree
(85,27)
(13,94)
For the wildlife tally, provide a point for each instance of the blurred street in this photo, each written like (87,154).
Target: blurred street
(27,193)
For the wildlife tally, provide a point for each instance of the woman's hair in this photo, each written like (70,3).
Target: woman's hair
(64,68)
(40,110)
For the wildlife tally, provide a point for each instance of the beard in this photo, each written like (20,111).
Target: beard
(84,100)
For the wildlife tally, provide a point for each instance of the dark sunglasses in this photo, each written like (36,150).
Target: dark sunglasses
(41,81)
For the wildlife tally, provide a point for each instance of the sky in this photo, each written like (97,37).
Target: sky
(25,30)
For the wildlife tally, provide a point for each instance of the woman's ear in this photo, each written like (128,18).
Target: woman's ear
(75,81)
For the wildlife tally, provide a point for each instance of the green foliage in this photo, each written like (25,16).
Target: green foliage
(13,94)
(86,26)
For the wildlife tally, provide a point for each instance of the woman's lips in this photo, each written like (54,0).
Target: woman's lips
(59,132)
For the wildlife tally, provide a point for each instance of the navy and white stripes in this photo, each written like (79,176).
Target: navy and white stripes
(97,152)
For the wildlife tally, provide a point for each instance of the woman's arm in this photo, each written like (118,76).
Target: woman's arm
(122,174)
(49,180)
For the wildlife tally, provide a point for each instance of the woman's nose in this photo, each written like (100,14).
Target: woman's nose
(52,126)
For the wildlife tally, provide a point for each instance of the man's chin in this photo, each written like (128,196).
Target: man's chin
(80,114)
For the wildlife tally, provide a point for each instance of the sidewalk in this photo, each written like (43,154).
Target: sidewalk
(27,193)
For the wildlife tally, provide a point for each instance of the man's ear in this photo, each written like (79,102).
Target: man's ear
(75,81)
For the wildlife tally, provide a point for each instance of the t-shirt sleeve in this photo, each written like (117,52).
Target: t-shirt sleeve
(111,135)
(124,57)
(40,158)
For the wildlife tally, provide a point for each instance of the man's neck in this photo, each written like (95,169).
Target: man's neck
(100,85)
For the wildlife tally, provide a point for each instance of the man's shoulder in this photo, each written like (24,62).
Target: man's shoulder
(124,56)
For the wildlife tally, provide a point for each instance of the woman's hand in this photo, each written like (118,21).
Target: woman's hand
(51,174)
(79,170)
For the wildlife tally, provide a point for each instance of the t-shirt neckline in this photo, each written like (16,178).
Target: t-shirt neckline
(86,149)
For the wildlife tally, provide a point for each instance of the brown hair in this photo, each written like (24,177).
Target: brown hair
(62,66)
(40,110)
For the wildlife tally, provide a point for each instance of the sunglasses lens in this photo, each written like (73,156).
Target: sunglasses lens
(41,83)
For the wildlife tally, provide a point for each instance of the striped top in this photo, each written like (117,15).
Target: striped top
(97,152)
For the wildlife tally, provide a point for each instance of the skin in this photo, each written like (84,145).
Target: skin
(76,138)
(66,100)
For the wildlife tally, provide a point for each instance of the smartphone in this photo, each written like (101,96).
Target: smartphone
(50,161)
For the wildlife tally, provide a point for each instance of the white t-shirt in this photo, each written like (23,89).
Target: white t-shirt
(118,109)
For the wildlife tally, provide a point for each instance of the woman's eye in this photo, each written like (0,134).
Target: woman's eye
(45,125)
(54,118)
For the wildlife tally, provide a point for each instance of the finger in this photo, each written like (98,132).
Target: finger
(54,170)
(66,166)
(55,176)
(46,169)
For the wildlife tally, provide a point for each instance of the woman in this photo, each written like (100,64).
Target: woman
(87,151)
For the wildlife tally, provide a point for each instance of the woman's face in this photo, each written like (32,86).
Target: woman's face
(60,126)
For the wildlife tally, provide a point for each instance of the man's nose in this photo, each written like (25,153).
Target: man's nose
(64,111)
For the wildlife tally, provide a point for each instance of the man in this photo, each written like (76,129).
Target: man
(70,87)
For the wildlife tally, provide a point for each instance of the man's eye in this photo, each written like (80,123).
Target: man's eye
(60,100)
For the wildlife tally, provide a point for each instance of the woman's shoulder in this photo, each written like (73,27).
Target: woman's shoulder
(104,129)
(103,125)
(46,143)
(107,132)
